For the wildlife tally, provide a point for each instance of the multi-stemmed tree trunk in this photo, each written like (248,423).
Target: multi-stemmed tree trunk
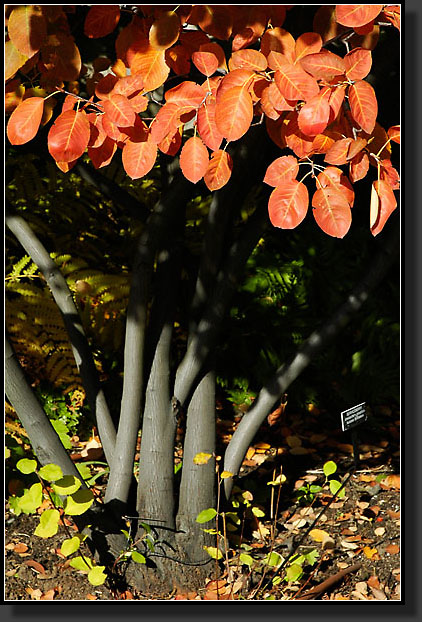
(161,393)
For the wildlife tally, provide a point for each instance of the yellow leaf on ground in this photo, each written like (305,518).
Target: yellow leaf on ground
(369,552)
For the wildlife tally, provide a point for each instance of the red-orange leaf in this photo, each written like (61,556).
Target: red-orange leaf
(27,29)
(138,158)
(248,59)
(394,133)
(102,155)
(332,211)
(207,126)
(119,110)
(165,31)
(206,62)
(383,204)
(170,145)
(296,140)
(69,136)
(219,170)
(359,166)
(168,119)
(358,63)
(337,154)
(357,14)
(61,57)
(313,116)
(186,94)
(288,204)
(307,43)
(194,159)
(323,64)
(278,40)
(389,174)
(294,83)
(25,120)
(101,20)
(363,105)
(97,132)
(333,176)
(281,170)
(152,66)
(234,113)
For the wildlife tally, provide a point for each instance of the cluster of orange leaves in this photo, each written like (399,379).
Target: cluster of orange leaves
(298,86)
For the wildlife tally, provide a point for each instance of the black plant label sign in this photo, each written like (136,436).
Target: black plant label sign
(353,416)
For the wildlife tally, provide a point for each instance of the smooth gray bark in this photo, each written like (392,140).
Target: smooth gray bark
(80,347)
(44,439)
(319,339)
(158,227)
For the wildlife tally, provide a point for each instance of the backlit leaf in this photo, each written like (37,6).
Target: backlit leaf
(79,502)
(332,211)
(234,113)
(81,563)
(14,59)
(139,157)
(213,552)
(282,169)
(26,466)
(358,63)
(151,65)
(67,485)
(27,29)
(288,204)
(25,120)
(207,126)
(219,170)
(294,83)
(314,115)
(97,576)
(194,159)
(248,59)
(329,468)
(394,133)
(363,105)
(206,515)
(69,136)
(119,110)
(358,167)
(49,524)
(357,14)
(101,20)
(333,176)
(319,535)
(307,43)
(246,559)
(278,40)
(165,30)
(51,472)
(70,546)
(102,155)
(338,153)
(61,57)
(297,141)
(206,62)
(186,94)
(31,499)
(138,557)
(323,64)
(383,204)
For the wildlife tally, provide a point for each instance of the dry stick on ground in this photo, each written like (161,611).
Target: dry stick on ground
(318,590)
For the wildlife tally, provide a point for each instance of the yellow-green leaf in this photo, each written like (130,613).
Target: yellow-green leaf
(329,467)
(26,466)
(70,545)
(79,502)
(49,524)
(97,576)
(213,552)
(51,472)
(31,499)
(81,563)
(226,475)
(67,485)
(206,515)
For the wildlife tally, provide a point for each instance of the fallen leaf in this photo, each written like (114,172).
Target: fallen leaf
(391,481)
(49,595)
(393,515)
(362,587)
(35,565)
(379,531)
(349,545)
(393,549)
(91,597)
(35,594)
(373,581)
(250,453)
(379,594)
(369,553)
(218,585)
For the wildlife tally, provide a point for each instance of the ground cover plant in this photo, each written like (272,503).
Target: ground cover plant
(182,183)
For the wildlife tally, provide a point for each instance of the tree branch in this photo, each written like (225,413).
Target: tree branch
(80,347)
(160,222)
(44,439)
(287,373)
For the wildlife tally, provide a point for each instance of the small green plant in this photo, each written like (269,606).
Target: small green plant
(307,493)
(67,498)
(329,469)
(295,569)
